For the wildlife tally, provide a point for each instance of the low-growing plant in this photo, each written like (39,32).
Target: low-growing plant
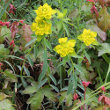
(54,55)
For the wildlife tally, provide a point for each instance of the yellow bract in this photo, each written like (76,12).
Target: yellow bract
(42,24)
(41,27)
(65,47)
(45,11)
(62,40)
(88,37)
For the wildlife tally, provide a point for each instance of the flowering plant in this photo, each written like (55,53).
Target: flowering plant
(54,54)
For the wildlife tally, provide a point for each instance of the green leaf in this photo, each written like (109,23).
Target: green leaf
(106,58)
(55,88)
(70,87)
(3,96)
(67,98)
(30,61)
(30,90)
(84,74)
(44,69)
(78,68)
(70,71)
(4,8)
(49,94)
(6,105)
(15,57)
(10,65)
(27,71)
(36,100)
(74,81)
(5,32)
(48,44)
(62,98)
(35,51)
(29,43)
(88,57)
(24,83)
(10,75)
(66,29)
(105,48)
(41,83)
(3,51)
(53,79)
(59,25)
(39,38)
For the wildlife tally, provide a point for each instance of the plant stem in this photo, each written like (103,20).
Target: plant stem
(107,73)
(92,95)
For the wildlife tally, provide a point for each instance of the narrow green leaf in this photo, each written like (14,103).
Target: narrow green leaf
(47,43)
(27,71)
(42,83)
(29,43)
(55,88)
(70,71)
(69,100)
(74,81)
(35,51)
(70,87)
(106,58)
(30,61)
(4,8)
(44,69)
(66,29)
(78,68)
(10,65)
(13,57)
(24,83)
(53,79)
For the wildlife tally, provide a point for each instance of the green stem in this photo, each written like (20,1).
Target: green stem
(107,73)
(106,84)
(92,95)
(76,108)
(60,78)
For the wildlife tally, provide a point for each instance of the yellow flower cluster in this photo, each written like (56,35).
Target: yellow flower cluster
(45,11)
(44,14)
(65,47)
(41,27)
(88,37)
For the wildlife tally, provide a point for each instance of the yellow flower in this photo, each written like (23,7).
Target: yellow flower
(45,11)
(88,37)
(41,27)
(62,40)
(65,47)
(33,26)
(71,43)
